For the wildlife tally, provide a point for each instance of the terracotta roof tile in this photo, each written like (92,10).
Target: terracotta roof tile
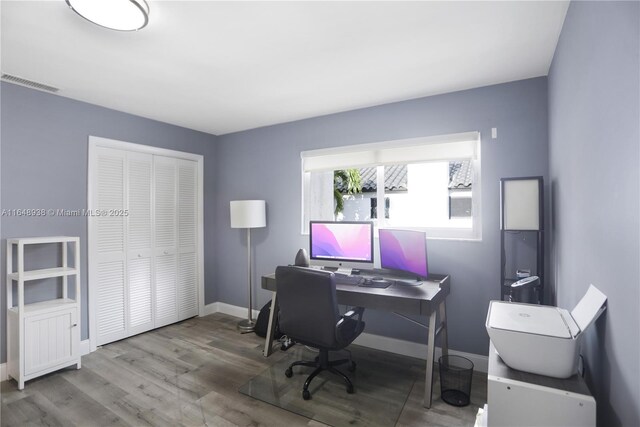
(460,174)
(395,179)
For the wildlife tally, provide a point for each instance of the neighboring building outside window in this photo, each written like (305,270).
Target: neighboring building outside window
(435,195)
(460,189)
(427,201)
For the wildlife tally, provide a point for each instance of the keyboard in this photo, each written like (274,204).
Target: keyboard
(343,279)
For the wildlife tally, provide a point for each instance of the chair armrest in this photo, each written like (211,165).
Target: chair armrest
(353,312)
(349,315)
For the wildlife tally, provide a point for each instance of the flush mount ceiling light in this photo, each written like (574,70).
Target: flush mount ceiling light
(121,15)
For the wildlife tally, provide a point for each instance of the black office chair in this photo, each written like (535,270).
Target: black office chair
(309,315)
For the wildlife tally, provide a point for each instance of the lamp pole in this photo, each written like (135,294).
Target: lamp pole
(248,324)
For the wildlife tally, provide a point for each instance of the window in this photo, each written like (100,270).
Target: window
(426,184)
(374,207)
(460,189)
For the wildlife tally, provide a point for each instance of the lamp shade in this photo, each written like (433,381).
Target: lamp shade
(248,213)
(521,200)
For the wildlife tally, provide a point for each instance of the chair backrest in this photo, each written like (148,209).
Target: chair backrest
(308,305)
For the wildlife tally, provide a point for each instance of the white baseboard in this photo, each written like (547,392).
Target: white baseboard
(231,310)
(85,347)
(417,350)
(378,342)
(3,372)
(210,309)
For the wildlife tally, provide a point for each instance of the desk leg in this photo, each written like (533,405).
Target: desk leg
(268,341)
(431,347)
(444,340)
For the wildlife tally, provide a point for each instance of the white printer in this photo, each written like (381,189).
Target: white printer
(541,339)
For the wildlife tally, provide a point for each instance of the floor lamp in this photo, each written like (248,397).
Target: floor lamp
(248,214)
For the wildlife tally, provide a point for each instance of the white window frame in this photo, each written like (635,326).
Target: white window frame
(451,147)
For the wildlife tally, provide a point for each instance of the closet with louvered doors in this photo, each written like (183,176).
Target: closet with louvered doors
(144,265)
(175,240)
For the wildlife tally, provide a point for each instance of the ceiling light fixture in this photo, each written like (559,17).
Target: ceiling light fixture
(121,15)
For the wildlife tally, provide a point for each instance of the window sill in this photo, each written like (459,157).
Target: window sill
(461,239)
(451,238)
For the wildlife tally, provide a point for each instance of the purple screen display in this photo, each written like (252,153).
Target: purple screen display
(404,250)
(341,241)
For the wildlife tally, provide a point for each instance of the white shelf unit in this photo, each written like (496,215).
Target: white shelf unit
(42,337)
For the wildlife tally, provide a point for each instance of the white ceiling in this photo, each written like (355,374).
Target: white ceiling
(221,67)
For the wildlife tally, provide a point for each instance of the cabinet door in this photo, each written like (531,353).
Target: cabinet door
(139,248)
(165,240)
(50,339)
(187,239)
(107,276)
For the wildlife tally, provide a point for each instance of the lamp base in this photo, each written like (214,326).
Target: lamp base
(245,326)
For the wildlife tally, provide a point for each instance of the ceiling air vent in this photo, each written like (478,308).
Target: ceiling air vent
(28,83)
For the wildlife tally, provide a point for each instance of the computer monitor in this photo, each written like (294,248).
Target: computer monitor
(344,244)
(404,251)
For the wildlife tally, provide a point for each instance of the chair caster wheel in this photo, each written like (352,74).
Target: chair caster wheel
(306,395)
(350,389)
(351,367)
(288,373)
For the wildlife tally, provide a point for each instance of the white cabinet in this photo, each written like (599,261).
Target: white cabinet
(48,341)
(43,336)
(516,398)
(145,266)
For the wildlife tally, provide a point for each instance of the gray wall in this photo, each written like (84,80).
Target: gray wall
(44,165)
(265,163)
(594,136)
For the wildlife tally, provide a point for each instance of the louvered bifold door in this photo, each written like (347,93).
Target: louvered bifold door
(108,251)
(187,239)
(139,242)
(165,240)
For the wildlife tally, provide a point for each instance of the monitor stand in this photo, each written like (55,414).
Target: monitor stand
(408,282)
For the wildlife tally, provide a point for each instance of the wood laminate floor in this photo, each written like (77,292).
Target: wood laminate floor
(185,374)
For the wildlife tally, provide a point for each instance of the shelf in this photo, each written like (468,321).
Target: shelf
(42,240)
(47,327)
(44,273)
(47,305)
